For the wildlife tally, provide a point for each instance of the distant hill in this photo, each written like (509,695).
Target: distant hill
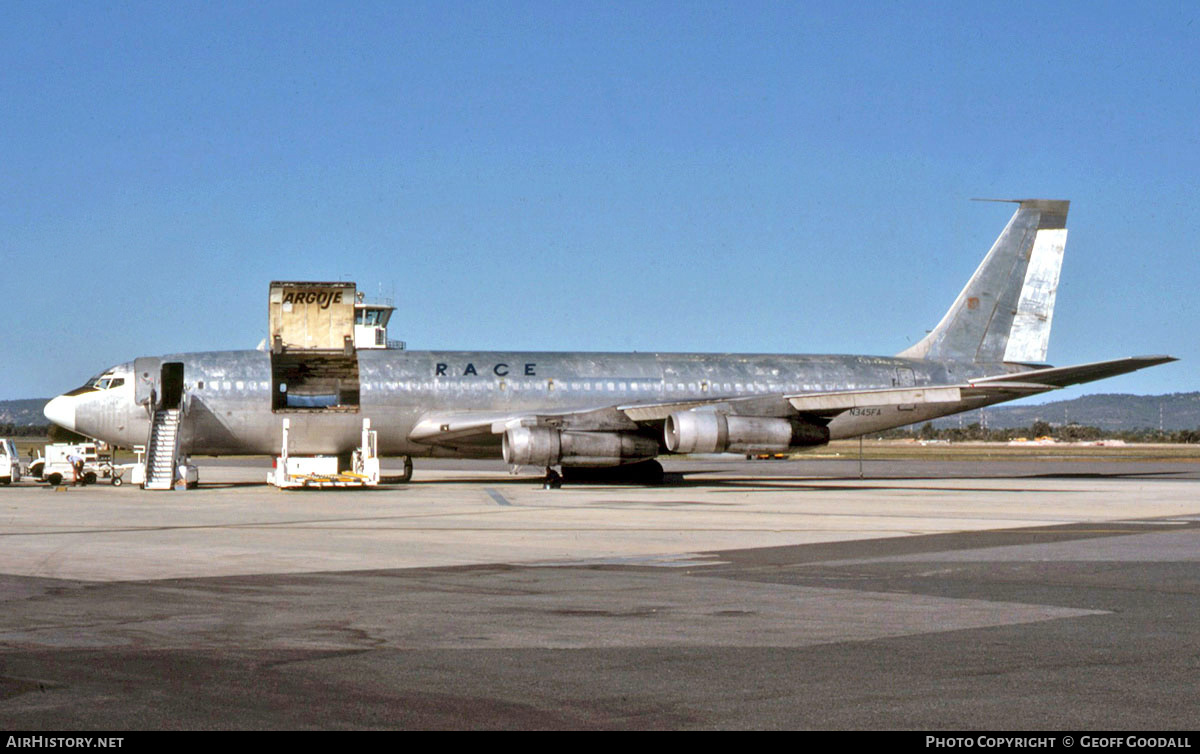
(26,412)
(1109,411)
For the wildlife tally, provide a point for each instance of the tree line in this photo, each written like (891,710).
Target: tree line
(1061,433)
(51,432)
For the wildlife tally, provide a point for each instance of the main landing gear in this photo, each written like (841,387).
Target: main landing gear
(407,475)
(553,480)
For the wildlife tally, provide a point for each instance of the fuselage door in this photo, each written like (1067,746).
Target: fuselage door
(905,377)
(145,380)
(172,384)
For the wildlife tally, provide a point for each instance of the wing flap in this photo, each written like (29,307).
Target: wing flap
(844,400)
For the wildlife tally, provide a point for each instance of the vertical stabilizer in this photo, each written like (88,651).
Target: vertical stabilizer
(1004,312)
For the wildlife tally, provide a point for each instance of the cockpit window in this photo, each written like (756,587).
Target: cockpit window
(103,381)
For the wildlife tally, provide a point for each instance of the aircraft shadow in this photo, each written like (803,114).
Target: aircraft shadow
(680,480)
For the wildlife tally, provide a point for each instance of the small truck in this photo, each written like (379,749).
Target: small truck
(54,468)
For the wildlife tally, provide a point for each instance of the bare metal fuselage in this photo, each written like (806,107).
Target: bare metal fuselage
(227,394)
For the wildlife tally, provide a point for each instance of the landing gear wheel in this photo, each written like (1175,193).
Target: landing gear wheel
(553,481)
(407,475)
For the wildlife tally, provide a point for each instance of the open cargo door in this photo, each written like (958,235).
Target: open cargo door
(314,364)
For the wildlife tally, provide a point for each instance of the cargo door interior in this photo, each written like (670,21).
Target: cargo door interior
(314,364)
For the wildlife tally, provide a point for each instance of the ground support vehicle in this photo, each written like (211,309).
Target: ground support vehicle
(54,468)
(10,462)
(323,471)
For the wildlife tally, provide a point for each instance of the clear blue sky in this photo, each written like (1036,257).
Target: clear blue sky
(681,176)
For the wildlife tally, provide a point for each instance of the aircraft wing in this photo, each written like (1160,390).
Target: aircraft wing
(482,427)
(454,427)
(474,428)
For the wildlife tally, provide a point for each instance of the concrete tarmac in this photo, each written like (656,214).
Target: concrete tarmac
(930,595)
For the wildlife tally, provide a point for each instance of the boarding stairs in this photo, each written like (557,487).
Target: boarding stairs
(163,450)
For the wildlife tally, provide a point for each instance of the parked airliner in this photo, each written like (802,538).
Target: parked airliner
(584,410)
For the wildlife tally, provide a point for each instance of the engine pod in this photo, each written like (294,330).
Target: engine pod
(714,432)
(543,446)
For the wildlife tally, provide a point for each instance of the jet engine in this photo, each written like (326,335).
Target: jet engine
(713,432)
(543,446)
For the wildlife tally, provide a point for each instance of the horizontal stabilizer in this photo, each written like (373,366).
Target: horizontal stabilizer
(1078,374)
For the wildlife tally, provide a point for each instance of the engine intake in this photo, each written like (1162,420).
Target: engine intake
(543,446)
(713,432)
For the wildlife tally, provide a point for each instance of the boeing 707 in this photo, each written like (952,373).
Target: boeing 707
(582,411)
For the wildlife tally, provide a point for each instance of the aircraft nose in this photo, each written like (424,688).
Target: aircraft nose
(61,411)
